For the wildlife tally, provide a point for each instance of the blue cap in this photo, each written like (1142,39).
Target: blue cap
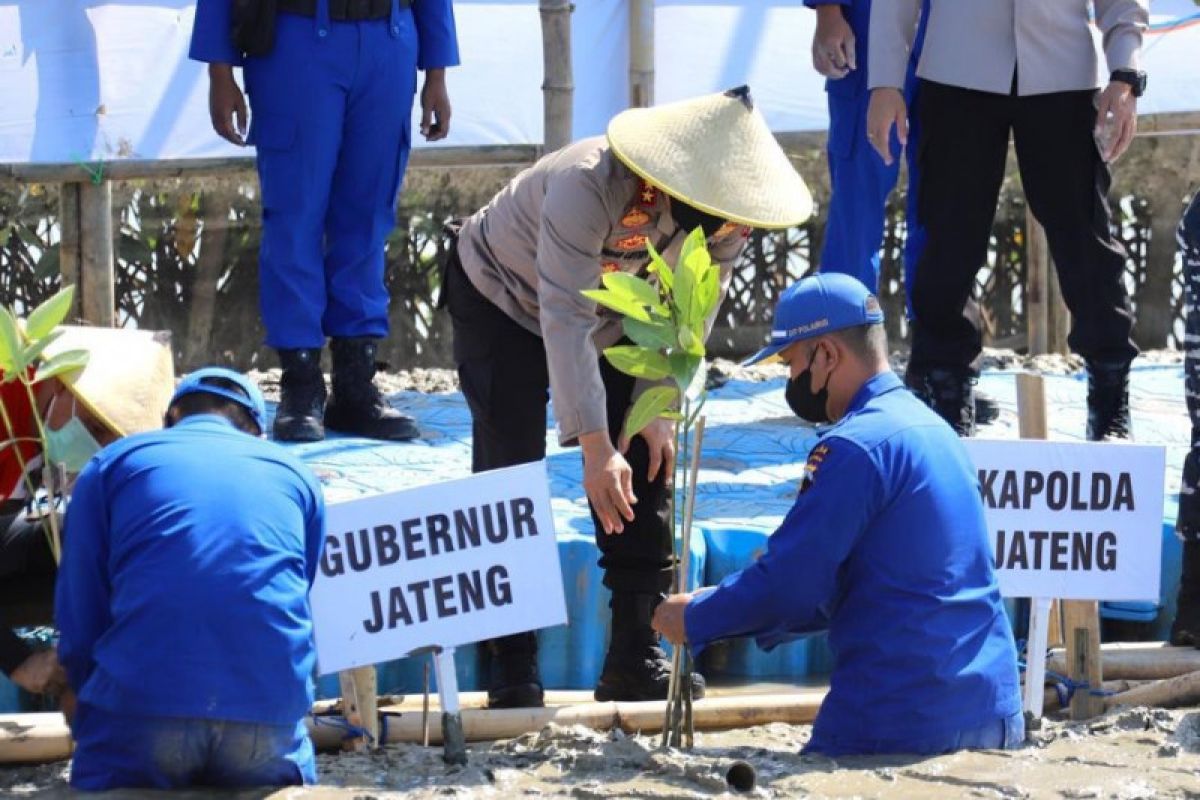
(252,400)
(818,305)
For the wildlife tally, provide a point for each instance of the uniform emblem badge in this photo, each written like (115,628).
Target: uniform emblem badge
(725,230)
(634,218)
(609,266)
(815,458)
(647,194)
(636,241)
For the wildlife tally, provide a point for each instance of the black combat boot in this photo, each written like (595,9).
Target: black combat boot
(949,392)
(301,397)
(513,677)
(356,405)
(1185,630)
(1108,402)
(636,668)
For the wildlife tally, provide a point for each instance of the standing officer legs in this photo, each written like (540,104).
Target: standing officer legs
(297,101)
(638,567)
(961,155)
(1067,183)
(503,375)
(1186,628)
(362,210)
(861,184)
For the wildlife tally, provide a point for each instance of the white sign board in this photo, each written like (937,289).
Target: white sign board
(1076,521)
(443,565)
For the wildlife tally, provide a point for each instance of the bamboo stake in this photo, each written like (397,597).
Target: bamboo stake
(1138,660)
(679,703)
(31,738)
(558,87)
(641,53)
(1182,690)
(1037,290)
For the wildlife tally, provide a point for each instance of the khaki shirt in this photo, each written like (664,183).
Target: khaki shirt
(977,44)
(550,234)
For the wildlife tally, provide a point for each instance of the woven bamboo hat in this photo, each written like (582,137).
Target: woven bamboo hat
(129,377)
(717,154)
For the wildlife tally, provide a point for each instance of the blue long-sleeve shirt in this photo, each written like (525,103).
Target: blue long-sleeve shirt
(436,33)
(183,588)
(886,547)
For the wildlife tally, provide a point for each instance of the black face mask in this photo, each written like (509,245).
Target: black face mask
(689,218)
(803,401)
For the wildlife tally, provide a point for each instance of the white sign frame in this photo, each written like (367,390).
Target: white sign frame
(1058,484)
(496,567)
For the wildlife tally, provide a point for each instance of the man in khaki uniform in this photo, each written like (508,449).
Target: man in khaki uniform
(522,327)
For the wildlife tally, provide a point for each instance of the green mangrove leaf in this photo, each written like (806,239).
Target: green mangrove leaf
(633,288)
(50,314)
(33,351)
(683,368)
(619,303)
(660,268)
(656,335)
(653,402)
(10,344)
(66,361)
(640,362)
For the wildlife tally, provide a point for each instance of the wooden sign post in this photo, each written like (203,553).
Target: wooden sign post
(1081,618)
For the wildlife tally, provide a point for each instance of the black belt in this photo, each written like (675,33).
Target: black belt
(344,10)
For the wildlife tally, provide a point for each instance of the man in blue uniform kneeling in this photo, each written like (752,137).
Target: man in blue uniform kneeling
(182,600)
(885,546)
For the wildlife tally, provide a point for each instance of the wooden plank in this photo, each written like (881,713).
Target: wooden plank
(1037,275)
(558,83)
(138,169)
(359,693)
(96,288)
(641,53)
(69,243)
(1081,619)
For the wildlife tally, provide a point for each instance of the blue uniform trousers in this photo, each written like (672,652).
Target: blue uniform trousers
(861,183)
(1006,733)
(331,109)
(115,751)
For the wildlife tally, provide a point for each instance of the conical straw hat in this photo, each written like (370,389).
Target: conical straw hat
(129,377)
(717,154)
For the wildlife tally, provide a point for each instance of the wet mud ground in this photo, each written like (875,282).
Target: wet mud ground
(1126,754)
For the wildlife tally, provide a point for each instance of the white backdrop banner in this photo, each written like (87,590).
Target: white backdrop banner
(1070,520)
(100,80)
(440,565)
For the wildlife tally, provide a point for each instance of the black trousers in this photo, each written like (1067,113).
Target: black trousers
(502,372)
(962,150)
(26,583)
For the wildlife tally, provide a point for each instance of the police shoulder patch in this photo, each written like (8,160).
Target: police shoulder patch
(815,458)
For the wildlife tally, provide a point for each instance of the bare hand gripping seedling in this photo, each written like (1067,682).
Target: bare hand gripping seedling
(666,320)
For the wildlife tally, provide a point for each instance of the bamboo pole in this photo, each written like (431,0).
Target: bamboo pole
(31,738)
(1138,660)
(1182,690)
(641,53)
(558,87)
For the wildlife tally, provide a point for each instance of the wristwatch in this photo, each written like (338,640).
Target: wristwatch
(1136,78)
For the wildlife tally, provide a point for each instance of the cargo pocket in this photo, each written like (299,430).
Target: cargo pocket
(274,137)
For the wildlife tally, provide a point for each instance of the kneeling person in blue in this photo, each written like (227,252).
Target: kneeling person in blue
(885,547)
(182,600)
(331,86)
